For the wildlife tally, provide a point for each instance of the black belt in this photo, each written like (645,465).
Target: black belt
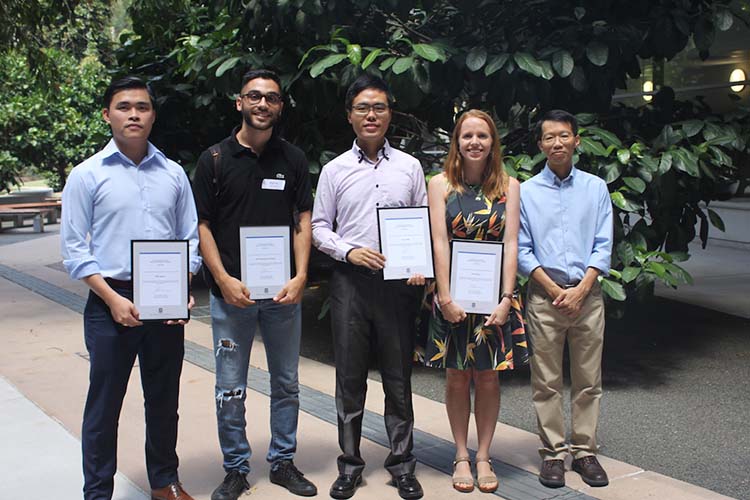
(364,271)
(569,285)
(128,284)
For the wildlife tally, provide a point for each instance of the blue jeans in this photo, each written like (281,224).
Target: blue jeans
(233,332)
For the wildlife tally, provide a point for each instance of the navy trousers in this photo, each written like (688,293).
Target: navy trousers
(112,350)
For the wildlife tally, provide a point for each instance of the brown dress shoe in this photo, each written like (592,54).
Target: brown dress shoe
(172,491)
(552,473)
(590,470)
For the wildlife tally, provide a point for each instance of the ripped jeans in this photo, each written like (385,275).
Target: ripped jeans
(233,332)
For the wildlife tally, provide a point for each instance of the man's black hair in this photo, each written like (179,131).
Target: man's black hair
(266,74)
(556,115)
(364,82)
(125,83)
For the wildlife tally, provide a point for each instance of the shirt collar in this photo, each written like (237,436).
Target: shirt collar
(383,153)
(111,150)
(549,176)
(235,148)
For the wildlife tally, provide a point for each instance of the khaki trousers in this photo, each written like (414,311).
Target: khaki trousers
(548,330)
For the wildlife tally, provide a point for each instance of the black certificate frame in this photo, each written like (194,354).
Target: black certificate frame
(496,249)
(162,313)
(405,272)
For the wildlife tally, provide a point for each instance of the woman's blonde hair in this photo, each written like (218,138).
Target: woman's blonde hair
(494,178)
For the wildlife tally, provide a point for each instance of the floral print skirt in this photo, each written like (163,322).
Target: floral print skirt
(470,344)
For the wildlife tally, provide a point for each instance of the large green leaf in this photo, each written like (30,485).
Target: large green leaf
(665,163)
(611,172)
(590,146)
(427,51)
(476,58)
(606,136)
(563,63)
(686,161)
(387,63)
(527,63)
(371,58)
(402,64)
(597,53)
(354,53)
(623,203)
(227,65)
(630,273)
(635,184)
(625,252)
(495,64)
(692,127)
(623,155)
(328,61)
(613,289)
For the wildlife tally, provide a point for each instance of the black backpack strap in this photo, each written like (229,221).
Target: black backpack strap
(215,151)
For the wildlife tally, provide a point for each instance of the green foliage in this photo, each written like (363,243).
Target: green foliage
(49,129)
(514,59)
(660,184)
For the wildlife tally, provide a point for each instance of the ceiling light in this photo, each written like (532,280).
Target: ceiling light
(737,76)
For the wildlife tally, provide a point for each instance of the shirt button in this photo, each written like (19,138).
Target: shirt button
(377,185)
(377,204)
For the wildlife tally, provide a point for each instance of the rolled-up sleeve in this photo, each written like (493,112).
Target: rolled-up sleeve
(527,261)
(601,254)
(187,222)
(323,217)
(77,211)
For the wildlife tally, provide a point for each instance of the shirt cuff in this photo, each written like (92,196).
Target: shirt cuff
(80,270)
(527,264)
(598,262)
(342,251)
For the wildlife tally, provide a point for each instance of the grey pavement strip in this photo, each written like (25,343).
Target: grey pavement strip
(433,451)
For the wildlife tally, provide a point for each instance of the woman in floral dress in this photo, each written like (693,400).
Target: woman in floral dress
(474,198)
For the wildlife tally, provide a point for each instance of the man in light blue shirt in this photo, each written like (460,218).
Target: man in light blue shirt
(564,244)
(127,191)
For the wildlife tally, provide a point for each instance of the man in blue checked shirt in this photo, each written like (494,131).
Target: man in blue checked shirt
(127,191)
(564,244)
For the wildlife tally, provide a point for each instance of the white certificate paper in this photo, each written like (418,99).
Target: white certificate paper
(265,252)
(405,240)
(160,279)
(476,274)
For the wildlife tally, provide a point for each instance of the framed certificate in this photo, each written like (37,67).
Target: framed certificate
(476,274)
(406,242)
(265,255)
(160,279)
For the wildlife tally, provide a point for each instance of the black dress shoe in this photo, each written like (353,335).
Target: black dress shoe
(285,474)
(345,485)
(408,486)
(552,473)
(591,471)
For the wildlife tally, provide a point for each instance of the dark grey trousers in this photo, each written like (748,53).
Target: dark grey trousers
(370,313)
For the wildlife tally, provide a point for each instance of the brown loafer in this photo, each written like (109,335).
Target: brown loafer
(171,491)
(552,473)
(591,471)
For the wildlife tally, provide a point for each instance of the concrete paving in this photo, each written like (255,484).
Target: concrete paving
(44,366)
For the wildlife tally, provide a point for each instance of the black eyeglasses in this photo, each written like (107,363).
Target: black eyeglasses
(255,96)
(363,109)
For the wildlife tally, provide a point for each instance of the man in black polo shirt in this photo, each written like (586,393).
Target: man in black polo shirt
(254,178)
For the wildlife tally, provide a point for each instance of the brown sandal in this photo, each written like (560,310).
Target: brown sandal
(487,484)
(464,484)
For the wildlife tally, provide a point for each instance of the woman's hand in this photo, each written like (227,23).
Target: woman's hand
(500,315)
(452,312)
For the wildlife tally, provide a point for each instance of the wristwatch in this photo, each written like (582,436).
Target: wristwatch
(506,295)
